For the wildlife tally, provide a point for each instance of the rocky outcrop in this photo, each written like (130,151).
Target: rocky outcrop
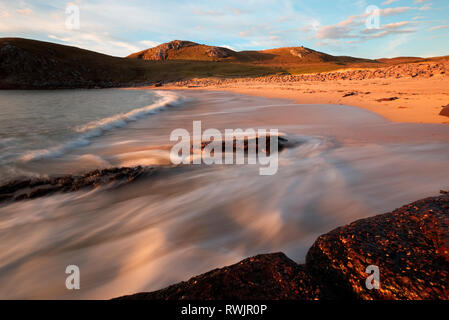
(170,49)
(30,188)
(218,52)
(160,52)
(410,246)
(300,52)
(268,276)
(38,187)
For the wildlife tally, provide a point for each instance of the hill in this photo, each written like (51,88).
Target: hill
(289,59)
(32,64)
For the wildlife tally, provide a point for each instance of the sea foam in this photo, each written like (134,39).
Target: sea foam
(98,127)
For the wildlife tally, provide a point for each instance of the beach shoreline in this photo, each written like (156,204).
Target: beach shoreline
(407,100)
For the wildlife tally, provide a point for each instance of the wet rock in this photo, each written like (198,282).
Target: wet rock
(38,187)
(409,245)
(269,276)
(245,143)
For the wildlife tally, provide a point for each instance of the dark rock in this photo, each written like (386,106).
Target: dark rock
(445,111)
(39,187)
(387,99)
(409,245)
(269,276)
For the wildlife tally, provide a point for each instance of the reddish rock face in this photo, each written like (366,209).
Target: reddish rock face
(409,246)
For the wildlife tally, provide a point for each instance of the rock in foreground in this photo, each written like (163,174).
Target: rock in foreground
(409,245)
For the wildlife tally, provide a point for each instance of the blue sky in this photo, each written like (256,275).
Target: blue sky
(406,27)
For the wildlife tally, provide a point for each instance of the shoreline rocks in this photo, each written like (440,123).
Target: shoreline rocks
(409,245)
(30,188)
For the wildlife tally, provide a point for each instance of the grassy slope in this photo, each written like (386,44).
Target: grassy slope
(279,60)
(29,63)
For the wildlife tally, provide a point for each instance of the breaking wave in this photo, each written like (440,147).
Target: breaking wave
(98,127)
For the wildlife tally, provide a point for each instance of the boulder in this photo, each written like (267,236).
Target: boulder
(445,111)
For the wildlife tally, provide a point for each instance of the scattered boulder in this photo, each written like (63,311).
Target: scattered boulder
(445,111)
(387,99)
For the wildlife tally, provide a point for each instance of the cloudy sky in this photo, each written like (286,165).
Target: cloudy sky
(365,28)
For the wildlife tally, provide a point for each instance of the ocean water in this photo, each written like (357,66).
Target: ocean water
(44,124)
(184,221)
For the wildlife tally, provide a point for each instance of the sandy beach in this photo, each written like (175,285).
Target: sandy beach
(412,100)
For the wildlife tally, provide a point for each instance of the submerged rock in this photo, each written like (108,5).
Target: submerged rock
(409,246)
(39,187)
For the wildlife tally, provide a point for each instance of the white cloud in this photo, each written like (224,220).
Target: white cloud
(439,27)
(25,11)
(388,2)
(149,43)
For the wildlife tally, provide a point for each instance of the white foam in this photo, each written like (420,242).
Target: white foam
(98,127)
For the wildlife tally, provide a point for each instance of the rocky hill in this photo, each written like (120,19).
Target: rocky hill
(187,50)
(183,50)
(410,246)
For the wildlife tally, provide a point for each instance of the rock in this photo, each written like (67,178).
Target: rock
(387,99)
(410,246)
(269,276)
(217,52)
(29,189)
(445,111)
(282,143)
(161,51)
(300,52)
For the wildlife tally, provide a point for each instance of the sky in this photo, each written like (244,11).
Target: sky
(361,28)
